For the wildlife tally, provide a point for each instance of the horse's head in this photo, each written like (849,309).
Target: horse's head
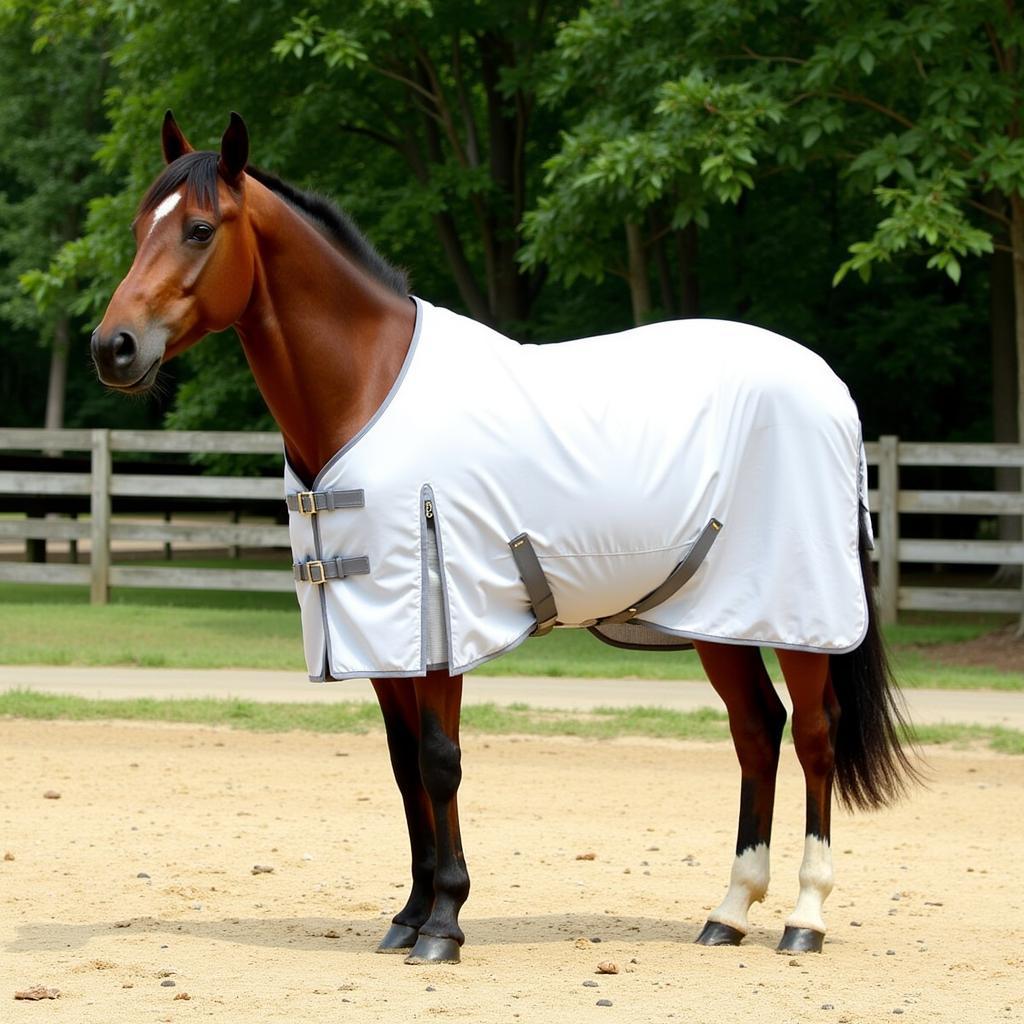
(193,268)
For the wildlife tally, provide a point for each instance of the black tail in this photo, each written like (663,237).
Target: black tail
(872,767)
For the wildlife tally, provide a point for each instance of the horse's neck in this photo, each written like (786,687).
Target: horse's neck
(325,342)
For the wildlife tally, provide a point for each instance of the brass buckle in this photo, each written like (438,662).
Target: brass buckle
(312,503)
(319,567)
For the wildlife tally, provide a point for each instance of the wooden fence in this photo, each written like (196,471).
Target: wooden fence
(103,482)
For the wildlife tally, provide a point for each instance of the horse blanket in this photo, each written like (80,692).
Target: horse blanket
(612,455)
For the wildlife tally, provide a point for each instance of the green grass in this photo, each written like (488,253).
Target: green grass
(51,625)
(360,716)
(704,724)
(153,636)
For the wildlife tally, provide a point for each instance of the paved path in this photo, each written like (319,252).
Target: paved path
(984,707)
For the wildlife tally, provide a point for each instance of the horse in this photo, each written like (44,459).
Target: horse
(328,328)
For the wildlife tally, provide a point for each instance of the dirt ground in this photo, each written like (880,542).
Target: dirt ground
(925,921)
(1001,649)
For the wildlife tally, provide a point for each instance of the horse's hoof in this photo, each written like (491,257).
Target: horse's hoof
(399,938)
(800,940)
(715,933)
(431,949)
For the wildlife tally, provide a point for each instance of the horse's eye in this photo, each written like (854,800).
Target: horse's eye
(200,232)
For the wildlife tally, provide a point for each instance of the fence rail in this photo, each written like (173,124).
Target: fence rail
(102,483)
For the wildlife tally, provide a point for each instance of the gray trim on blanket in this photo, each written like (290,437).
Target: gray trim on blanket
(418,673)
(690,635)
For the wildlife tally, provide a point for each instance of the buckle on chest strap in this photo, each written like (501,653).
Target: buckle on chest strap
(319,571)
(309,503)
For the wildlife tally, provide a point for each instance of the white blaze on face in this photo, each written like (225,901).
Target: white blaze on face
(163,209)
(815,884)
(748,884)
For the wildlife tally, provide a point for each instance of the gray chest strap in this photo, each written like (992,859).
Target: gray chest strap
(309,503)
(543,601)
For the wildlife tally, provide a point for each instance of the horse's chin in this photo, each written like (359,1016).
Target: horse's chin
(140,385)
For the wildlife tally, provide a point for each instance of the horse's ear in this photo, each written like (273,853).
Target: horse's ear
(234,150)
(174,142)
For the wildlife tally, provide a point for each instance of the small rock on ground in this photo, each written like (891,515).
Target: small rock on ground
(37,992)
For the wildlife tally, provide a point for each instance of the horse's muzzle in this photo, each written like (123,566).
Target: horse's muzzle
(120,362)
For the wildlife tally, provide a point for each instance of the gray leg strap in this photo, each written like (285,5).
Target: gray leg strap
(537,588)
(308,503)
(316,571)
(543,602)
(676,579)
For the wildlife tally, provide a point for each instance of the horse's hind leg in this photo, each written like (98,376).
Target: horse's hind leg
(439,699)
(756,721)
(397,698)
(815,721)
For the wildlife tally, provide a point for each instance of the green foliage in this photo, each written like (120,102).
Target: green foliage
(50,118)
(925,217)
(697,99)
(805,140)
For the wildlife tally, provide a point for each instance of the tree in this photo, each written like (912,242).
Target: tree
(922,108)
(51,114)
(450,88)
(658,138)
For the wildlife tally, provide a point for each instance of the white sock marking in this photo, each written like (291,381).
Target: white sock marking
(816,878)
(748,883)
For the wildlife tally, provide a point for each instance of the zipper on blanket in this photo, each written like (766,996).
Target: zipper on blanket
(441,624)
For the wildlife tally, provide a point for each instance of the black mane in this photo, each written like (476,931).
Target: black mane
(198,172)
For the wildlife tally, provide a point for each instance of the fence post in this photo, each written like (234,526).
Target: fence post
(99,560)
(888,528)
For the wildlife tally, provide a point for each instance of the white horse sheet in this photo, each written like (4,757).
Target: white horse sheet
(613,454)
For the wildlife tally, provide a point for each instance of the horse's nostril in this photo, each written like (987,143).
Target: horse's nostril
(124,348)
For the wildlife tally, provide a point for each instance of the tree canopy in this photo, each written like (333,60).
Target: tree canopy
(850,175)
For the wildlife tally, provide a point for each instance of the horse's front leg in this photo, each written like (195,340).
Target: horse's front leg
(439,701)
(397,699)
(756,721)
(815,724)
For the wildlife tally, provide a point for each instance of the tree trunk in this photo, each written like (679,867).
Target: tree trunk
(1004,388)
(58,374)
(462,272)
(54,417)
(687,250)
(508,116)
(1017,245)
(639,283)
(668,299)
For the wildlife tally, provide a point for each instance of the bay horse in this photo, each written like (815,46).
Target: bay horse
(328,327)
